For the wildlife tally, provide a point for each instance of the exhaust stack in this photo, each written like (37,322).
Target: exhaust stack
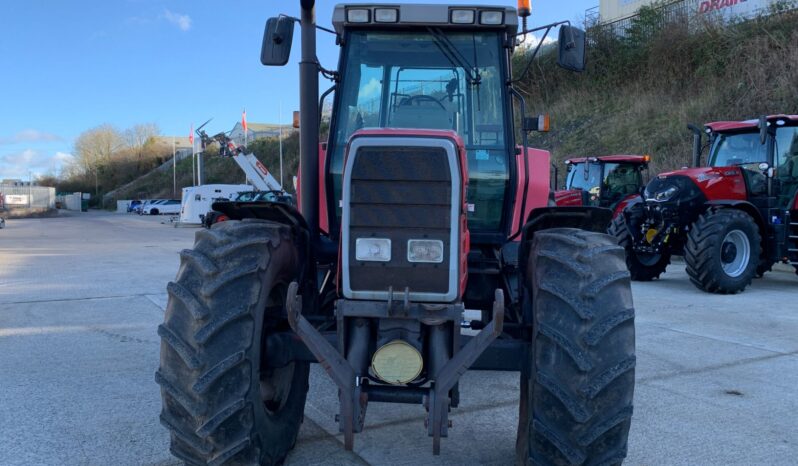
(309,124)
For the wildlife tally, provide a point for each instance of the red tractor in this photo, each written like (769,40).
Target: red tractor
(610,181)
(731,220)
(420,205)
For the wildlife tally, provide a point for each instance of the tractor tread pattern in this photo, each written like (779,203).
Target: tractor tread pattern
(702,251)
(205,375)
(577,404)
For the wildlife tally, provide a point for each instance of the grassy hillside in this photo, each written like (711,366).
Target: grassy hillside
(639,92)
(636,97)
(158,184)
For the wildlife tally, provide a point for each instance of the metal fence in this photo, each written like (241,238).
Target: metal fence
(31,197)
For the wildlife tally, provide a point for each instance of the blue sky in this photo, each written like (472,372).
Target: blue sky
(73,65)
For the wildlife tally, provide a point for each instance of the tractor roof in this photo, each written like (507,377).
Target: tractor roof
(612,159)
(423,15)
(721,126)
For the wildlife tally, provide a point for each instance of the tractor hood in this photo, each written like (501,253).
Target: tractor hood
(686,185)
(570,197)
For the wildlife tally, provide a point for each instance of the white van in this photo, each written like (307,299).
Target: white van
(197,200)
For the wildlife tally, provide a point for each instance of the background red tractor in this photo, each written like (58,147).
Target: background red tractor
(610,181)
(421,204)
(731,220)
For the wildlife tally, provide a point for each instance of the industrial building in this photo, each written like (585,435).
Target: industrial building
(615,10)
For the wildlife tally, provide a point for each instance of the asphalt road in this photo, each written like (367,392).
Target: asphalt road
(81,297)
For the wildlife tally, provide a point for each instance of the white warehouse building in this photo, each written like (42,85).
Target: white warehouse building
(614,10)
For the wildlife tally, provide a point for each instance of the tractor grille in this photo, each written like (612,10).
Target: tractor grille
(400,193)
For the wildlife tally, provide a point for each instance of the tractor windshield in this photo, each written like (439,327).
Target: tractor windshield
(606,182)
(743,149)
(584,176)
(430,79)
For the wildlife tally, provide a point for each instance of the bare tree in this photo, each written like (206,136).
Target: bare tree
(94,149)
(138,137)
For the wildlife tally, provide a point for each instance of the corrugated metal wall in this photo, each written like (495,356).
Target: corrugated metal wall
(37,197)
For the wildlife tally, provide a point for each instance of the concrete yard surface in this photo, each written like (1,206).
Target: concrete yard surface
(81,297)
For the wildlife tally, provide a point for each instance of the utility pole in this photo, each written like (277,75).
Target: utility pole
(199,168)
(193,168)
(174,168)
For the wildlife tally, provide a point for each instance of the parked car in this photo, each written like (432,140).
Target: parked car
(147,206)
(165,206)
(134,206)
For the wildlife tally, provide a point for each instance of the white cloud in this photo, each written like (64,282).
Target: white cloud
(29,135)
(532,41)
(371,89)
(183,22)
(21,164)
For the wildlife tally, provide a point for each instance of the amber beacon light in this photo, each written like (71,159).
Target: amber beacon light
(524,8)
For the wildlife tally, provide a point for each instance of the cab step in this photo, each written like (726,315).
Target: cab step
(792,241)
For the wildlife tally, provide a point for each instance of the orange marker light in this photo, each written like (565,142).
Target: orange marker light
(646,158)
(544,123)
(296,119)
(524,8)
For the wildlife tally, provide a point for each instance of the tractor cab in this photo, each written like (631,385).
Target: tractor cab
(610,181)
(761,154)
(439,74)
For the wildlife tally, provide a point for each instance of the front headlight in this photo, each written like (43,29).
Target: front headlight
(373,249)
(664,195)
(425,250)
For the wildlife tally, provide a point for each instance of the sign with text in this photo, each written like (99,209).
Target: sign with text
(730,8)
(16,199)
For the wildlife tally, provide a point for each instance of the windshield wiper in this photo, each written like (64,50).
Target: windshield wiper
(451,52)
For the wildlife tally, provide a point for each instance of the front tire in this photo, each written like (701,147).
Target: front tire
(578,383)
(723,251)
(642,267)
(220,403)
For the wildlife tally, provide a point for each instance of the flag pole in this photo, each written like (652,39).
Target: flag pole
(193,163)
(174,169)
(280,122)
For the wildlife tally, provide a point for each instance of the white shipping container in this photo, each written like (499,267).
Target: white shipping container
(122,206)
(72,201)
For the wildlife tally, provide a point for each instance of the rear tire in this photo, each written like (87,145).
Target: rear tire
(220,404)
(642,267)
(578,384)
(723,251)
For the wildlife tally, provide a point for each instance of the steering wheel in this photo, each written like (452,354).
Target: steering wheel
(421,97)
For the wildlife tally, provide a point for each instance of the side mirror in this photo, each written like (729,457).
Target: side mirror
(572,48)
(277,40)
